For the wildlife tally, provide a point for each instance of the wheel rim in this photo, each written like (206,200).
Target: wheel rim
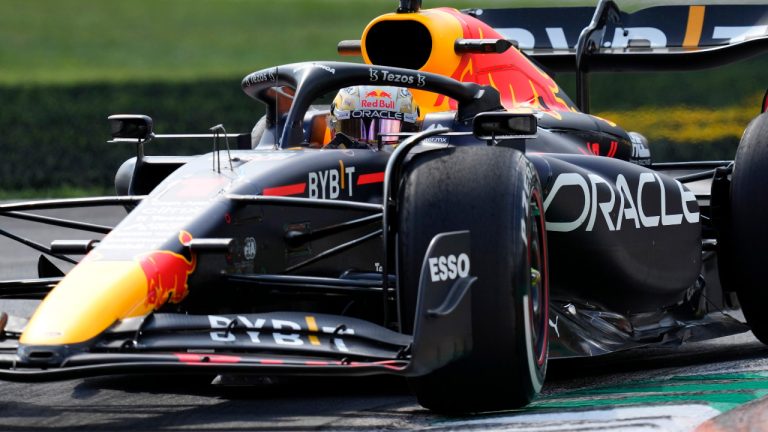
(538,303)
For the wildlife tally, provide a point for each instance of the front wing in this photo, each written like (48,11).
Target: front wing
(271,343)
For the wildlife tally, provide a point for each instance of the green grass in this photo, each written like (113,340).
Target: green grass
(89,41)
(77,41)
(82,41)
(65,65)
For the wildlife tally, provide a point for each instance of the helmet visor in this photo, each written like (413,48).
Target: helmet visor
(367,130)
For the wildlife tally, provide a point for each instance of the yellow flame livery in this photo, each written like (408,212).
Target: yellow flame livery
(427,41)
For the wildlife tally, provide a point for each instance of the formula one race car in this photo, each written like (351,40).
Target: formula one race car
(512,228)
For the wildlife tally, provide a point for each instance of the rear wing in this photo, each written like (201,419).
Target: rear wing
(658,38)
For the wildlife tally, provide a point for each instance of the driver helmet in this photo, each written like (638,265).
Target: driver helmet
(362,113)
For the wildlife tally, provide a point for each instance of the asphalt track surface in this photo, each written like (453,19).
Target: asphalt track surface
(668,388)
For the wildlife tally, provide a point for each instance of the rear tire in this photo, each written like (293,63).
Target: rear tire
(495,194)
(748,233)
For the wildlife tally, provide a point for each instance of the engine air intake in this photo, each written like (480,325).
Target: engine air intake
(406,44)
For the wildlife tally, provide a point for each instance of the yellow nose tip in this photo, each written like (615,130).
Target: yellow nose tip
(91,298)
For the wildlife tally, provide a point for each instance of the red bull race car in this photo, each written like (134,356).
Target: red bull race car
(508,228)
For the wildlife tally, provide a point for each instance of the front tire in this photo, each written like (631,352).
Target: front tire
(495,194)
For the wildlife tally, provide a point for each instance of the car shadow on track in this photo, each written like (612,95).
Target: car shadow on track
(139,403)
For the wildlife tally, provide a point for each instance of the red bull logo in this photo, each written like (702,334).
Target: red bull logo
(378,94)
(167,274)
(378,99)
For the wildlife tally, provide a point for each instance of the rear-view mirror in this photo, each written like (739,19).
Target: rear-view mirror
(131,126)
(504,125)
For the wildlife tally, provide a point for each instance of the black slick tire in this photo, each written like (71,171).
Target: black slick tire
(496,195)
(748,229)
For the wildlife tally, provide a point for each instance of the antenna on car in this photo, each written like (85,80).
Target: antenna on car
(409,6)
(280,92)
(278,131)
(217,131)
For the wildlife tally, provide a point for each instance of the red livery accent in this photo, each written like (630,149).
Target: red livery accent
(389,364)
(206,358)
(364,179)
(594,148)
(293,189)
(271,361)
(614,147)
(519,82)
(167,274)
(317,363)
